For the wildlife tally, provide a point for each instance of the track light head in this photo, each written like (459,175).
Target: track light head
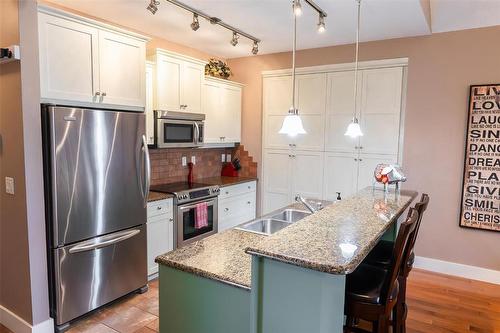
(153,6)
(321,24)
(297,7)
(234,40)
(255,48)
(196,24)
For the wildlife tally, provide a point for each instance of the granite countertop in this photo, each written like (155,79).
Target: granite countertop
(220,257)
(336,239)
(226,181)
(155,196)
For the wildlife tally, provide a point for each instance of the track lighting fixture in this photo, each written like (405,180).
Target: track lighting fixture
(297,7)
(255,48)
(321,23)
(196,24)
(234,40)
(153,6)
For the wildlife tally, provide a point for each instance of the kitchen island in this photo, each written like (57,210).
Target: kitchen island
(291,281)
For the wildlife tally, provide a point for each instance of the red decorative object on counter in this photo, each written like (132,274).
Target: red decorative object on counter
(229,170)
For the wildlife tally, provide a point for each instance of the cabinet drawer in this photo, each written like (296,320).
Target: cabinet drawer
(229,191)
(233,221)
(237,206)
(159,207)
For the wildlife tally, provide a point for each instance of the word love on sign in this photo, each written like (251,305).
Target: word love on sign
(481,184)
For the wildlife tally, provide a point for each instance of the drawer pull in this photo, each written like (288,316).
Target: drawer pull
(249,187)
(171,219)
(226,209)
(158,208)
(227,192)
(249,202)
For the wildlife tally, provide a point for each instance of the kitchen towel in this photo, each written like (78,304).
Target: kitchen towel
(201,218)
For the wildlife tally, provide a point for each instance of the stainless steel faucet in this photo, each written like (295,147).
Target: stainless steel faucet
(298,198)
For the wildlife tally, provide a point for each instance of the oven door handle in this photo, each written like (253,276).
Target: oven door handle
(210,203)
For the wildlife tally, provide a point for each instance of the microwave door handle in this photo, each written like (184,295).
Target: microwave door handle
(197,133)
(147,170)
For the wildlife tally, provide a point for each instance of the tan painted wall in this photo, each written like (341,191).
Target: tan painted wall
(441,68)
(15,289)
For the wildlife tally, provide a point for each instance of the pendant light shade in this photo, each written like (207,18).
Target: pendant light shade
(292,124)
(354,130)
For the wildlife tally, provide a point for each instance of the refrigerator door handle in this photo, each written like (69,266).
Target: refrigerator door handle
(103,241)
(147,170)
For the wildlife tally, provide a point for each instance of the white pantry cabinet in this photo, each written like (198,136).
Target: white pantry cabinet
(85,62)
(160,231)
(237,204)
(178,82)
(324,161)
(222,109)
(289,173)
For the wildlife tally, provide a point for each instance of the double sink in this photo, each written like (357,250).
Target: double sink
(275,222)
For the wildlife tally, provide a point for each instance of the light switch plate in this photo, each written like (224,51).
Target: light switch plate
(184,161)
(9,185)
(228,157)
(223,158)
(193,159)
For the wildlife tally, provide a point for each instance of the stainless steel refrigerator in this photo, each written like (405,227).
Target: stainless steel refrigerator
(97,175)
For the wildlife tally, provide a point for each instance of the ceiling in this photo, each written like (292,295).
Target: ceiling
(271,21)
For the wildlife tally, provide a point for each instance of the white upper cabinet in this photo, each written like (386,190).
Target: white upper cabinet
(222,109)
(122,62)
(149,104)
(179,82)
(86,62)
(380,110)
(311,102)
(68,66)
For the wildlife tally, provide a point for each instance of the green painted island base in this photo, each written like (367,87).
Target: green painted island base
(291,299)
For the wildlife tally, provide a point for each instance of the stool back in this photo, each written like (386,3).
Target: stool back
(405,231)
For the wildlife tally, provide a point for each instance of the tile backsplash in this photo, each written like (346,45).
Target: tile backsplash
(166,164)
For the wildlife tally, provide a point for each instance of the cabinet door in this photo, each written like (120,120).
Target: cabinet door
(277,99)
(122,62)
(311,102)
(149,104)
(367,164)
(168,83)
(214,120)
(340,175)
(380,110)
(231,105)
(340,111)
(277,184)
(69,67)
(191,87)
(307,174)
(160,239)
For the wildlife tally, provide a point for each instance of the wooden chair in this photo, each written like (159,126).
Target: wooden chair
(372,292)
(381,255)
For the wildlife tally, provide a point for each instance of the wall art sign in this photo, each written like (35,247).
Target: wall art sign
(481,184)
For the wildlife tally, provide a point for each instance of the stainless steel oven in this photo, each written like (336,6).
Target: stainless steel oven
(178,129)
(185,220)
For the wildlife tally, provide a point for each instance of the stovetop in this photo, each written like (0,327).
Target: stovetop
(186,192)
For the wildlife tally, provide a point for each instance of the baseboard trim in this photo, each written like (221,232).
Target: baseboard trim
(18,325)
(461,270)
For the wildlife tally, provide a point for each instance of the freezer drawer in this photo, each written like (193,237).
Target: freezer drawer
(91,273)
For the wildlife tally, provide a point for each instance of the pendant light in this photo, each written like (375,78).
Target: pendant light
(292,124)
(354,130)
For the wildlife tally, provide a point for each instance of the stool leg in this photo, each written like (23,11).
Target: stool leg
(382,325)
(402,309)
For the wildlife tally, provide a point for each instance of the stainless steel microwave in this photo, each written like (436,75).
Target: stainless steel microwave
(178,129)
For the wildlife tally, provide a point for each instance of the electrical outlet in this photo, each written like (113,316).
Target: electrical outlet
(228,157)
(193,159)
(223,158)
(184,161)
(9,185)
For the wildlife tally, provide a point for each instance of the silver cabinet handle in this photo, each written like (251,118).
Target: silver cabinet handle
(147,170)
(360,159)
(227,192)
(249,202)
(171,219)
(226,209)
(249,187)
(355,159)
(103,94)
(158,208)
(97,93)
(103,241)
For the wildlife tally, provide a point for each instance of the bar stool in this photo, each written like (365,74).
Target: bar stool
(372,292)
(381,255)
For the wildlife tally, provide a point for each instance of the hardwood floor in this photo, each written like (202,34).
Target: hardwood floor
(437,304)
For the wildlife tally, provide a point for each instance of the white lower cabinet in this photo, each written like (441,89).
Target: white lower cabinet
(340,174)
(160,234)
(237,204)
(288,173)
(366,167)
